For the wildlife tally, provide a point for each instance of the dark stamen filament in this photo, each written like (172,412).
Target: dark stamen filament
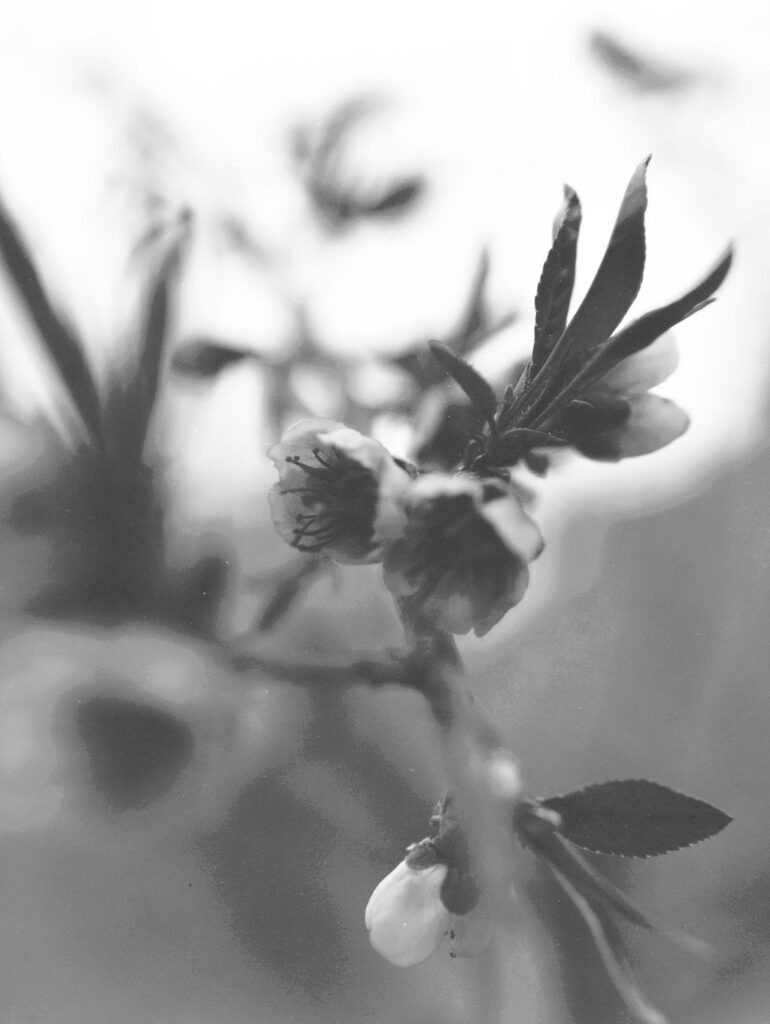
(341,499)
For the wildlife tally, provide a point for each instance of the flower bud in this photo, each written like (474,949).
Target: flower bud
(617,418)
(405,917)
(432,894)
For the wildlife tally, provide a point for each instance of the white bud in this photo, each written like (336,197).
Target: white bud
(405,916)
(502,774)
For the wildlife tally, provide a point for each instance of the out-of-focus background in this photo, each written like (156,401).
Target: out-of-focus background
(208,860)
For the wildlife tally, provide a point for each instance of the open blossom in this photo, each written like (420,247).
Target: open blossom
(338,492)
(464,552)
(618,418)
(421,902)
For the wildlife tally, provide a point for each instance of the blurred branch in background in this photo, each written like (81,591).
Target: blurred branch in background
(178,844)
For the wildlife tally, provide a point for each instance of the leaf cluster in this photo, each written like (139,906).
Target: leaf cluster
(104,493)
(626,818)
(557,394)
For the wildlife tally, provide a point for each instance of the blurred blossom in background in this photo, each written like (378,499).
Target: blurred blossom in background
(177,850)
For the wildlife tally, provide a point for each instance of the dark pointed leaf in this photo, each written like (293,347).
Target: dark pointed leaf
(446,441)
(398,198)
(543,838)
(619,276)
(473,384)
(635,818)
(143,389)
(60,341)
(534,438)
(288,587)
(475,326)
(557,280)
(640,72)
(612,950)
(648,328)
(515,443)
(599,413)
(588,350)
(201,359)
(475,318)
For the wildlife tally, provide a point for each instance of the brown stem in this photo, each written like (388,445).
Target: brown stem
(470,745)
(345,671)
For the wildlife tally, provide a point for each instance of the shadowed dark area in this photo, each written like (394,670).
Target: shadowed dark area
(287,850)
(135,752)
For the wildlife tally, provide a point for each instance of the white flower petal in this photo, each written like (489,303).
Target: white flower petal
(304,514)
(441,485)
(645,369)
(514,527)
(300,439)
(405,916)
(462,557)
(455,612)
(654,422)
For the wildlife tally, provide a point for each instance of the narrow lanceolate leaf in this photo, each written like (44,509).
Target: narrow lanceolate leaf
(475,318)
(473,384)
(476,322)
(287,589)
(144,387)
(635,818)
(640,72)
(648,328)
(399,198)
(549,846)
(557,280)
(201,359)
(619,276)
(612,950)
(60,341)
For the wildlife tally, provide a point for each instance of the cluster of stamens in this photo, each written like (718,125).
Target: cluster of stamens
(454,544)
(340,498)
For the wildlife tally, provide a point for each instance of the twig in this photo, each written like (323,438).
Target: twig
(470,744)
(350,670)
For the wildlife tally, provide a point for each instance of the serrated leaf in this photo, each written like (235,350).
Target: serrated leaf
(202,359)
(473,384)
(557,280)
(635,818)
(619,276)
(59,339)
(648,328)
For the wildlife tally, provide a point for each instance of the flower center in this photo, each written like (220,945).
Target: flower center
(341,502)
(454,547)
